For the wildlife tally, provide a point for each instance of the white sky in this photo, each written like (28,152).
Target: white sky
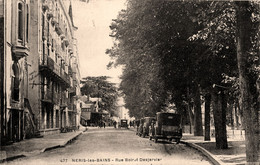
(93,20)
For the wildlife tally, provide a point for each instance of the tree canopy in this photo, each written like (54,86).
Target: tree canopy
(100,87)
(177,51)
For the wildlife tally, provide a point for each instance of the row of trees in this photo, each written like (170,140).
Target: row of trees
(176,52)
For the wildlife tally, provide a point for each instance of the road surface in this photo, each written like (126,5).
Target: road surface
(109,146)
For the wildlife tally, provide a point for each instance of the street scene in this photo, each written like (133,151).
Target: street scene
(111,82)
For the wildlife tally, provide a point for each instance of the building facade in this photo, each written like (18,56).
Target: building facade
(39,69)
(54,72)
(14,68)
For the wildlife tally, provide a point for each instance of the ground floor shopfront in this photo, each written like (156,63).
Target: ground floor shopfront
(15,125)
(55,119)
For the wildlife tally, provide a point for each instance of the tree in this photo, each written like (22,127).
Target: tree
(248,64)
(218,34)
(100,87)
(234,26)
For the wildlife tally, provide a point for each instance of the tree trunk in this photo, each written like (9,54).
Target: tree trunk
(231,109)
(236,116)
(198,130)
(219,110)
(247,80)
(191,116)
(207,117)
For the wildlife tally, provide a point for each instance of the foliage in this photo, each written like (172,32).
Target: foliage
(100,87)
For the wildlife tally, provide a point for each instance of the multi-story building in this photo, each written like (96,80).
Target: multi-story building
(14,91)
(39,77)
(54,73)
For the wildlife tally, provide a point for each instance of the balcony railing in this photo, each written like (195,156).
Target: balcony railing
(52,68)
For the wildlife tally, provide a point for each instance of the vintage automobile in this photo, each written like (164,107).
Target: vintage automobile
(140,128)
(123,123)
(167,126)
(147,123)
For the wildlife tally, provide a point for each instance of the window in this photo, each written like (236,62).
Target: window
(15,82)
(43,25)
(27,23)
(20,21)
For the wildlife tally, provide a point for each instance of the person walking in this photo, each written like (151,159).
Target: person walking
(114,123)
(104,124)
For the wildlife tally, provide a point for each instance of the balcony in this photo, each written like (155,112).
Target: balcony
(50,68)
(15,104)
(47,63)
(65,78)
(20,51)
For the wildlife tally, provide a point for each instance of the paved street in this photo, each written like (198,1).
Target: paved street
(111,146)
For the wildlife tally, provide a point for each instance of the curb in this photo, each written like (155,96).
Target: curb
(213,159)
(12,158)
(50,148)
(70,140)
(43,150)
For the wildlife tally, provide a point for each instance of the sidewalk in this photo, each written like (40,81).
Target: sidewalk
(234,155)
(34,146)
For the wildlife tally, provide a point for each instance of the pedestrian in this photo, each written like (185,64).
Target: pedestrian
(100,124)
(114,123)
(104,124)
